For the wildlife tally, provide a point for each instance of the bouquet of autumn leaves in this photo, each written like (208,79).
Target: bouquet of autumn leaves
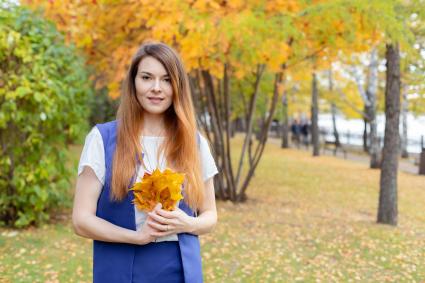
(163,187)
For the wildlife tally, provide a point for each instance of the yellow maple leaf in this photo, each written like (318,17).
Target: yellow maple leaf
(158,187)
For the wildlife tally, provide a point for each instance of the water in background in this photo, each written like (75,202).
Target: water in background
(351,130)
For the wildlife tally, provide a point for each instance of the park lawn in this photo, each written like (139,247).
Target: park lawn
(307,220)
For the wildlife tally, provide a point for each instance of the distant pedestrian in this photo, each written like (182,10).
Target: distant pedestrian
(305,133)
(296,132)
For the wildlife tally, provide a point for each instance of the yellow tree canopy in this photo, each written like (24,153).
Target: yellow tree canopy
(211,33)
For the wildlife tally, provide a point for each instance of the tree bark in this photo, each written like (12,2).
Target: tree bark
(217,105)
(375,160)
(372,88)
(387,211)
(226,98)
(315,116)
(333,111)
(216,122)
(250,117)
(335,130)
(285,122)
(365,135)
(264,133)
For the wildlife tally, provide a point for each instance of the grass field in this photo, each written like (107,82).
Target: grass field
(307,220)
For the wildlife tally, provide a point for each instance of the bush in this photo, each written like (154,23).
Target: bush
(44,98)
(102,108)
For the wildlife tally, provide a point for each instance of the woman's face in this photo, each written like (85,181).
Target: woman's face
(153,86)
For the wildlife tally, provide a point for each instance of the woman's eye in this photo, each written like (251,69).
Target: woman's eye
(167,80)
(146,78)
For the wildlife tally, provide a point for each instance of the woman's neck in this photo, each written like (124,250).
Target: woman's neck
(153,125)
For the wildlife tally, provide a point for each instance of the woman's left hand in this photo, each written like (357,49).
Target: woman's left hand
(170,222)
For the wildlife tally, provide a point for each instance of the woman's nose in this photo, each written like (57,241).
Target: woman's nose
(156,85)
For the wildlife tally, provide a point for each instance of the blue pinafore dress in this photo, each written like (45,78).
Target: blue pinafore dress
(172,261)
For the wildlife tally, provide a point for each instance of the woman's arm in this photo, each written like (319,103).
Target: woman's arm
(207,218)
(88,225)
(177,221)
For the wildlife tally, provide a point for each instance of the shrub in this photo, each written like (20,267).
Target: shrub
(44,98)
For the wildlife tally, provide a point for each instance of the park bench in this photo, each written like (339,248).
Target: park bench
(327,144)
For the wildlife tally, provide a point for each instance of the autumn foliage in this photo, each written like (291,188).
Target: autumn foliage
(158,187)
(236,52)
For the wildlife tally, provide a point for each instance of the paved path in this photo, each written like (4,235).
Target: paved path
(355,154)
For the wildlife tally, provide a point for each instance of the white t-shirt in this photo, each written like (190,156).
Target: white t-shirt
(93,155)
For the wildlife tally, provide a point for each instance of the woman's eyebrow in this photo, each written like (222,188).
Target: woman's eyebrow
(150,74)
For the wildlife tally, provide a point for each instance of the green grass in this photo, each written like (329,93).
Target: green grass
(307,220)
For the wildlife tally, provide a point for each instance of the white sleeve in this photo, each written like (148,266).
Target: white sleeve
(93,155)
(209,169)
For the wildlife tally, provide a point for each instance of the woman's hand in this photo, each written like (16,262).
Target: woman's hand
(177,221)
(166,223)
(145,234)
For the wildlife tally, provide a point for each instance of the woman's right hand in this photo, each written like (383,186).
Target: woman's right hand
(144,236)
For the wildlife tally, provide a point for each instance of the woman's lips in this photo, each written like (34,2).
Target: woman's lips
(155,100)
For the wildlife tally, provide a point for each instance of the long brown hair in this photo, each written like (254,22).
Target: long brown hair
(180,145)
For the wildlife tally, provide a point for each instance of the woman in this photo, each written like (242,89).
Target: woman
(155,128)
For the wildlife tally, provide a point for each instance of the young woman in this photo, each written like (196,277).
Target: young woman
(155,128)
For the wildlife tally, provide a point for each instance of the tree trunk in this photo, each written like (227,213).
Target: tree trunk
(404,111)
(375,160)
(247,145)
(315,116)
(422,158)
(372,88)
(365,135)
(227,110)
(217,130)
(217,106)
(333,111)
(387,211)
(335,130)
(285,123)
(264,133)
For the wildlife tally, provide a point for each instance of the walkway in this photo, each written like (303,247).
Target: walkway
(409,165)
